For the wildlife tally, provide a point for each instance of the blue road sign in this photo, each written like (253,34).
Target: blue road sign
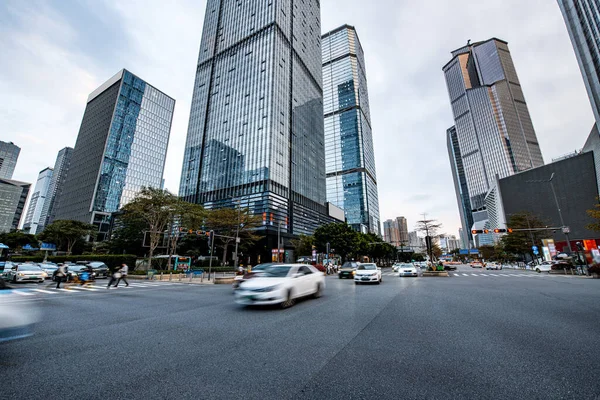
(535,249)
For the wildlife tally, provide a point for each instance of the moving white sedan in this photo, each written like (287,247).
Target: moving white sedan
(368,273)
(25,273)
(17,318)
(546,266)
(281,284)
(408,270)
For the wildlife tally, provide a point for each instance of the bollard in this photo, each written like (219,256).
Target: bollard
(572,271)
(191,276)
(180,277)
(565,270)
(170,276)
(161,276)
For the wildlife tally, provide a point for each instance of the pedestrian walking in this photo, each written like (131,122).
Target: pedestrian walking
(124,269)
(59,275)
(113,278)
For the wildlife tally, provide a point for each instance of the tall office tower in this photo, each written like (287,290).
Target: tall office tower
(349,155)
(9,153)
(121,147)
(38,199)
(493,126)
(402,230)
(13,195)
(61,167)
(460,187)
(255,136)
(582,18)
(391,233)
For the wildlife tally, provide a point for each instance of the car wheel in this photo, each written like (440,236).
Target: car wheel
(538,270)
(289,302)
(356,283)
(14,279)
(318,292)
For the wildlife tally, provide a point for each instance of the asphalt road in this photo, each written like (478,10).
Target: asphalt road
(485,334)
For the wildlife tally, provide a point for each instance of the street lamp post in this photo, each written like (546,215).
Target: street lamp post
(237,238)
(278,241)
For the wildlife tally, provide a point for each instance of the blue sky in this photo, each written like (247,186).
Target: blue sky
(54,53)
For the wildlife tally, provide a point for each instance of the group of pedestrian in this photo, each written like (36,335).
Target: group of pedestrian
(87,275)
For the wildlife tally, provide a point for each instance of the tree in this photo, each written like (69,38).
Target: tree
(303,245)
(65,233)
(128,234)
(487,252)
(155,207)
(431,228)
(183,215)
(594,213)
(341,238)
(230,222)
(18,239)
(521,241)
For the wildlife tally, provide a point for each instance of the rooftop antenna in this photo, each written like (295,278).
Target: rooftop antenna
(469,42)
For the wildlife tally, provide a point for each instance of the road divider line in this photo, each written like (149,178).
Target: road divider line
(43,291)
(22,293)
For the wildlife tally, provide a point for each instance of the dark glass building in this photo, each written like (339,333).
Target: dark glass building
(61,167)
(37,202)
(460,187)
(349,154)
(13,195)
(255,135)
(9,154)
(121,147)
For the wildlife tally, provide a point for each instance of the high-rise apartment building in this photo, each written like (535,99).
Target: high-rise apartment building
(121,147)
(255,135)
(582,18)
(390,232)
(402,230)
(37,202)
(493,128)
(61,167)
(9,153)
(349,154)
(13,195)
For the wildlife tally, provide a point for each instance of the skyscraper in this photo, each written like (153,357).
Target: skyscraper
(9,153)
(61,167)
(121,147)
(402,231)
(582,18)
(390,232)
(13,195)
(493,127)
(255,135)
(38,199)
(349,155)
(460,186)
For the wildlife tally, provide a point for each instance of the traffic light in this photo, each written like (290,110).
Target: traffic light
(476,231)
(510,230)
(486,231)
(499,230)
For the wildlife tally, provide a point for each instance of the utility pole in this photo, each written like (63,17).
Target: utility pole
(237,238)
(278,241)
(212,242)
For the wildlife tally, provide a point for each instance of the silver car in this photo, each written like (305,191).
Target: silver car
(26,273)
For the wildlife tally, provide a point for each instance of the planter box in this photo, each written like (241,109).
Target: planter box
(436,273)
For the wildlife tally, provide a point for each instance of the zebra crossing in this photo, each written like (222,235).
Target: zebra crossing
(69,290)
(498,274)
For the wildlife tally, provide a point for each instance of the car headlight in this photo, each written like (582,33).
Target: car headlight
(353,272)
(21,274)
(44,274)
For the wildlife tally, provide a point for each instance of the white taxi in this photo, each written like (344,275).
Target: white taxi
(368,273)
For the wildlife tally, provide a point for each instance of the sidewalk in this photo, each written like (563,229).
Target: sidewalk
(181,278)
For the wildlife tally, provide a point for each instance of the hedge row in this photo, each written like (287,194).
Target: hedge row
(111,260)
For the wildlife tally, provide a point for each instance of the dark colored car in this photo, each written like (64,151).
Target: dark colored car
(347,270)
(100,269)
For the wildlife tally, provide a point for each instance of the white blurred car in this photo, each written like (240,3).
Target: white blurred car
(17,318)
(493,265)
(368,273)
(408,270)
(281,284)
(546,266)
(25,273)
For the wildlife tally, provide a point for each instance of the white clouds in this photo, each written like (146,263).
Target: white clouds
(58,55)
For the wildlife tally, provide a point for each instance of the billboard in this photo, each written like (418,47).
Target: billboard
(336,212)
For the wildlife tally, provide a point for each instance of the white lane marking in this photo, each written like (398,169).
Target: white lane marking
(484,274)
(65,290)
(515,275)
(43,291)
(457,275)
(465,274)
(474,274)
(22,293)
(87,288)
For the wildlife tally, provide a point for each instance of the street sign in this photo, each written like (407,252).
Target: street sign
(535,249)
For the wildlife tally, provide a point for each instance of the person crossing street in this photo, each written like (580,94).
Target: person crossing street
(123,271)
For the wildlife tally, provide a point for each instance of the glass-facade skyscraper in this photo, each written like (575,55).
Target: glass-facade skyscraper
(37,202)
(582,18)
(61,167)
(493,127)
(460,186)
(13,195)
(121,147)
(255,135)
(9,154)
(349,154)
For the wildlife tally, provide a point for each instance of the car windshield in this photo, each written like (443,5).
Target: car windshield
(26,267)
(367,266)
(349,265)
(76,267)
(407,266)
(275,271)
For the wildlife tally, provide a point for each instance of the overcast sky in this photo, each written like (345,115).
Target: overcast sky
(54,53)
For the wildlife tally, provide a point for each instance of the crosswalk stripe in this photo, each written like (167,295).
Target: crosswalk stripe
(465,274)
(484,274)
(474,274)
(22,293)
(43,291)
(65,290)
